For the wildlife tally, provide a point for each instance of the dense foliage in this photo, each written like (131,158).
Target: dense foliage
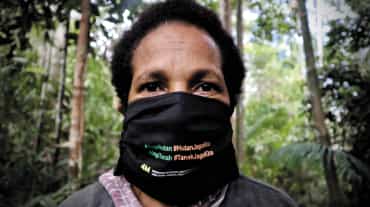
(346,79)
(345,85)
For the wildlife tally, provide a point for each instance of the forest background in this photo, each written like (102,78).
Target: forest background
(302,125)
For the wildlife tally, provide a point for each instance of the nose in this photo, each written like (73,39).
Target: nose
(179,86)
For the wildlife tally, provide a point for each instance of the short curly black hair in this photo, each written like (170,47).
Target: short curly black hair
(187,11)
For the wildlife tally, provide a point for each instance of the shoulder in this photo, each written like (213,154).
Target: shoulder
(245,191)
(93,195)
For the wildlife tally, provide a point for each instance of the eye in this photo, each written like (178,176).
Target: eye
(151,87)
(208,87)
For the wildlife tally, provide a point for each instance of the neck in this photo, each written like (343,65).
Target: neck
(145,200)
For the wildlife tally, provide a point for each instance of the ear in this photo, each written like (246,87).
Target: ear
(117,104)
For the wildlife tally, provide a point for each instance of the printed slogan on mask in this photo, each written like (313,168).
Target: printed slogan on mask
(177,152)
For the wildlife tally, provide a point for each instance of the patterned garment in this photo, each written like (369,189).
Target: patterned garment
(119,190)
(122,195)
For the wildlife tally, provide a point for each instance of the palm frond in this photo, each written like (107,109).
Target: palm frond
(349,168)
(293,155)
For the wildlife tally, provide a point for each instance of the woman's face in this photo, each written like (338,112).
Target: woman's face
(177,57)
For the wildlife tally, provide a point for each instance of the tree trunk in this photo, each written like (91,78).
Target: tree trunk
(312,80)
(239,117)
(319,32)
(45,80)
(225,11)
(59,106)
(77,115)
(336,195)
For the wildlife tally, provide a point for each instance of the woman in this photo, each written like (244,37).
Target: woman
(178,75)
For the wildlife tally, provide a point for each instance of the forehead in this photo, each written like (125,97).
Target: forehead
(177,30)
(176,36)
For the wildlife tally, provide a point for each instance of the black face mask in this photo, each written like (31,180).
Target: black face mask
(177,147)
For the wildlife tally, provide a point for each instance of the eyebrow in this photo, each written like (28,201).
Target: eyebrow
(153,75)
(200,74)
(160,75)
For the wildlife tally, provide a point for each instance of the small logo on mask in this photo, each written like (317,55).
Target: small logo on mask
(146,168)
